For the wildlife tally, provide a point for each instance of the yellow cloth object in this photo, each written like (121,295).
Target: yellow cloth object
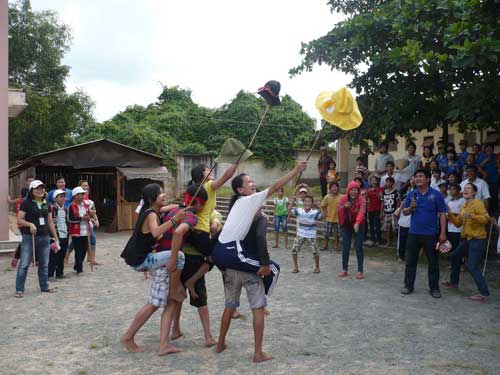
(473,228)
(339,108)
(206,212)
(331,203)
(191,250)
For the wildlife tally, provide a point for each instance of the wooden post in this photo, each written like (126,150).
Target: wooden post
(119,213)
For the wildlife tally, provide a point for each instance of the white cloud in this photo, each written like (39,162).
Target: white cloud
(122,49)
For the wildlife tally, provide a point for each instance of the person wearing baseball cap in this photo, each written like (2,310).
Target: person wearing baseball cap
(57,254)
(35,222)
(78,226)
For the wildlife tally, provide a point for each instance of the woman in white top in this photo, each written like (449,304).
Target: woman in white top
(229,251)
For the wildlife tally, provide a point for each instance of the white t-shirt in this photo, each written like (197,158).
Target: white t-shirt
(399,180)
(454,206)
(83,223)
(241,216)
(483,192)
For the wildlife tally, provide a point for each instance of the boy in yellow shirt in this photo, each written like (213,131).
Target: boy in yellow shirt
(329,211)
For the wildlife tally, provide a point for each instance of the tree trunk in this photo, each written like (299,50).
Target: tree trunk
(445,132)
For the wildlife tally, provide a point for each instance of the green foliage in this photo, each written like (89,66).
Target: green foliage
(176,124)
(53,118)
(417,64)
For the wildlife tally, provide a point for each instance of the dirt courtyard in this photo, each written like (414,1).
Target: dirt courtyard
(319,324)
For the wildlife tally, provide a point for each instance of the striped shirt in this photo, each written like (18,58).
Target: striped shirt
(306,221)
(191,220)
(61,223)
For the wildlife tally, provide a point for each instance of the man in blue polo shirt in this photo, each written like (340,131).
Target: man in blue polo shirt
(60,184)
(428,225)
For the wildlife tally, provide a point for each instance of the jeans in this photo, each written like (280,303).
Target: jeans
(42,248)
(476,249)
(159,259)
(280,221)
(347,234)
(402,240)
(56,260)
(81,245)
(415,243)
(323,183)
(375,226)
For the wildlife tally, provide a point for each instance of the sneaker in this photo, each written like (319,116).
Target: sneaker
(449,285)
(369,243)
(479,298)
(51,279)
(405,290)
(360,276)
(435,293)
(343,274)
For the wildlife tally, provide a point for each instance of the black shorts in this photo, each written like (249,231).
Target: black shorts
(201,242)
(191,266)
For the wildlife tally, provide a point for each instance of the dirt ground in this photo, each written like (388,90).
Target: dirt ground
(318,324)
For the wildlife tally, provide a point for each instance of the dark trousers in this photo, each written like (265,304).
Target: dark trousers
(347,235)
(416,242)
(375,226)
(475,249)
(323,183)
(81,245)
(402,240)
(493,207)
(56,260)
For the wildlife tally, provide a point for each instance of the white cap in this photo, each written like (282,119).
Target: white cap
(36,183)
(303,190)
(59,192)
(78,190)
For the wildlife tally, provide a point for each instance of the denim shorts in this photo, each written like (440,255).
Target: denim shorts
(280,220)
(159,259)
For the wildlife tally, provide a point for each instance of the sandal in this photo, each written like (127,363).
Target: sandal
(50,290)
(295,271)
(316,270)
(19,295)
(479,298)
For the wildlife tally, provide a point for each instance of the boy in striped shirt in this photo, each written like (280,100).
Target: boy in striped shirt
(306,230)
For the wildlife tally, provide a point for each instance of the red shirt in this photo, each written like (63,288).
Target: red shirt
(374,201)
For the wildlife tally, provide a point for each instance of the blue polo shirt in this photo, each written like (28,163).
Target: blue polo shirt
(67,203)
(463,156)
(491,168)
(425,218)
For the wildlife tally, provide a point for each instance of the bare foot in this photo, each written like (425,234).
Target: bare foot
(176,335)
(210,342)
(262,357)
(190,287)
(266,312)
(169,349)
(236,314)
(131,346)
(220,348)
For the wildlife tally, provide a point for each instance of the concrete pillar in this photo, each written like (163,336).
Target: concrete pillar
(4,121)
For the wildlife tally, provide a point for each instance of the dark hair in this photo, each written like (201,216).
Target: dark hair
(434,160)
(474,187)
(149,194)
(489,144)
(477,145)
(456,186)
(454,174)
(390,162)
(334,183)
(390,179)
(309,197)
(333,162)
(82,181)
(197,174)
(473,167)
(436,170)
(359,158)
(236,183)
(411,144)
(443,184)
(383,144)
(358,179)
(60,178)
(202,193)
(281,189)
(423,171)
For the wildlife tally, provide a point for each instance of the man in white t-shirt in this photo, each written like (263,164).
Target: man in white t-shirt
(399,180)
(483,192)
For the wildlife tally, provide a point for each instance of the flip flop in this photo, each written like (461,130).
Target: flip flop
(295,271)
(316,271)
(50,290)
(19,295)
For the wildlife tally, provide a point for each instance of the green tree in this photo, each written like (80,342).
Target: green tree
(417,64)
(53,118)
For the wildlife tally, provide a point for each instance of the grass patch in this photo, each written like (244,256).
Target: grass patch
(8,269)
(82,372)
(93,346)
(50,364)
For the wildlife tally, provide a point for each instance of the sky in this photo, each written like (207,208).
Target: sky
(123,51)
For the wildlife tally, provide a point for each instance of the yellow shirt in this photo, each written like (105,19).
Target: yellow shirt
(216,217)
(332,176)
(473,228)
(206,212)
(331,203)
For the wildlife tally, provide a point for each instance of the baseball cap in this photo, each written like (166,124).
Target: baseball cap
(303,190)
(78,190)
(59,192)
(36,183)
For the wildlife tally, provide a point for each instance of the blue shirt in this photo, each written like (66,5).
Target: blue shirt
(307,221)
(491,168)
(425,218)
(463,156)
(442,161)
(69,197)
